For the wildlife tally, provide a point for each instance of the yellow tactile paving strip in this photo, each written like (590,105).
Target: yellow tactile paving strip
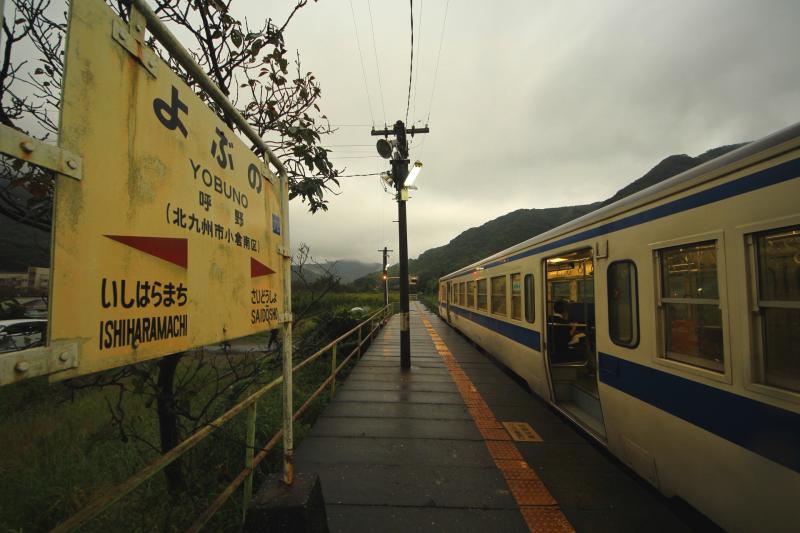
(538,507)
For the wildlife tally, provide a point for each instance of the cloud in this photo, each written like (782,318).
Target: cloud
(538,104)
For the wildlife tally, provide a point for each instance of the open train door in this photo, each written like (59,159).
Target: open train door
(571,347)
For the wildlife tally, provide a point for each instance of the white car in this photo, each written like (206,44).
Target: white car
(19,334)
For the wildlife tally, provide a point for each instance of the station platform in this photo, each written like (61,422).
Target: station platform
(427,450)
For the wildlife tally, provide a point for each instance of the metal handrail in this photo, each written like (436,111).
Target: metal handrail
(116,493)
(247,472)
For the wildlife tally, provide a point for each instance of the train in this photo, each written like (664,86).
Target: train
(667,327)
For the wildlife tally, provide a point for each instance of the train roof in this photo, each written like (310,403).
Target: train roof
(693,176)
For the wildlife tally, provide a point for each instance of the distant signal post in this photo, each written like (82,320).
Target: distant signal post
(385,274)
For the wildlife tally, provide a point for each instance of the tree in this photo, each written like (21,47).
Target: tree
(251,64)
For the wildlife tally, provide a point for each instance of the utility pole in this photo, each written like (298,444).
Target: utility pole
(400,163)
(385,275)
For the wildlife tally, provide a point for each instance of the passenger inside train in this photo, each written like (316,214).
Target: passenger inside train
(563,334)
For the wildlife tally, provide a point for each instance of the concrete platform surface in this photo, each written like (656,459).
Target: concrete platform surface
(425,451)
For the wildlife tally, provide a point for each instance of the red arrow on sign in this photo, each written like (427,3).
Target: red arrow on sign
(172,249)
(258,268)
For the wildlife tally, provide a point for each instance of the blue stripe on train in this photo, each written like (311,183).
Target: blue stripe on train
(769,431)
(771,176)
(528,337)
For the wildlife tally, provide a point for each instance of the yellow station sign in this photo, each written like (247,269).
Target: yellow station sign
(171,238)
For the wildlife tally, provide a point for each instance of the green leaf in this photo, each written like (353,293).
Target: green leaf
(236,38)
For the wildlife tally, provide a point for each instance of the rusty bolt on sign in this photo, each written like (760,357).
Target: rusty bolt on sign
(26,146)
(22,367)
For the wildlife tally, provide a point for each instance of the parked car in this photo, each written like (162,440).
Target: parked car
(19,334)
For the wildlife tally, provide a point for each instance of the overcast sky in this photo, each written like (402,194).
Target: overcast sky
(537,103)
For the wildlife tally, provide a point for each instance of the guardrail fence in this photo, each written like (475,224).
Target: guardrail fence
(364,332)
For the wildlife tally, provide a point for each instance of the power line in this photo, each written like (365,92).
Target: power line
(341,145)
(411,63)
(358,175)
(419,45)
(436,70)
(363,69)
(377,63)
(418,146)
(336,126)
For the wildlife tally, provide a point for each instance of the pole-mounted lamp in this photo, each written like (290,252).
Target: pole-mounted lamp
(413,174)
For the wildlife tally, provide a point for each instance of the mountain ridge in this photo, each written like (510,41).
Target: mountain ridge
(505,231)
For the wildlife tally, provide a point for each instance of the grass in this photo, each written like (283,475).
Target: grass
(60,450)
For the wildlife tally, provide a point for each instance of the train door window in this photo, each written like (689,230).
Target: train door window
(482,294)
(689,305)
(455,294)
(529,308)
(777,320)
(471,294)
(516,296)
(499,295)
(623,305)
(462,293)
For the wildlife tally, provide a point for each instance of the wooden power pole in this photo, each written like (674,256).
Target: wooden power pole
(399,174)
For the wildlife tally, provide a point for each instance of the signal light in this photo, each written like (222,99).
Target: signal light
(385,275)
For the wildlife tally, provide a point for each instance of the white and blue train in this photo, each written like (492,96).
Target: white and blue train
(667,326)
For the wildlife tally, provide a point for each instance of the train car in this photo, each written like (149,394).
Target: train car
(667,326)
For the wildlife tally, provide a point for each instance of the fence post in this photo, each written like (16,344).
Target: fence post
(333,369)
(248,456)
(359,342)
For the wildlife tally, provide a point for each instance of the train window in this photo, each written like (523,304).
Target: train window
(777,255)
(689,305)
(516,297)
(482,294)
(462,293)
(529,298)
(499,295)
(623,305)
(471,294)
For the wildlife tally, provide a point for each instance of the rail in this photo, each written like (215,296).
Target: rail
(252,460)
